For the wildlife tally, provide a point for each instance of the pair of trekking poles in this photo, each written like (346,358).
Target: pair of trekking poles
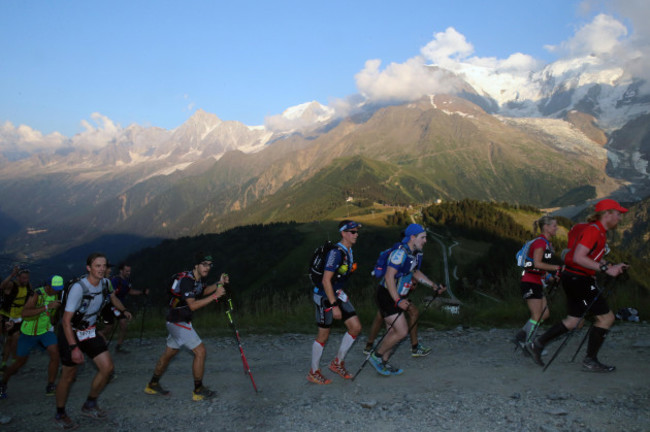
(374,348)
(606,287)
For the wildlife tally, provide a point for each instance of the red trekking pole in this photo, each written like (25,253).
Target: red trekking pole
(247,369)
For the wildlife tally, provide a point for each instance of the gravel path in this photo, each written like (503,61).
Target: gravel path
(472,381)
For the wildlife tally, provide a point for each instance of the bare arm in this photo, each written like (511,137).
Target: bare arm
(423,279)
(195,304)
(580,257)
(224,279)
(115,301)
(30,309)
(66,323)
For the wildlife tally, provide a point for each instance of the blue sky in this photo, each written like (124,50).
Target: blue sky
(155,62)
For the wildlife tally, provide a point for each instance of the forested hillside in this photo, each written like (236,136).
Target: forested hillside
(268,263)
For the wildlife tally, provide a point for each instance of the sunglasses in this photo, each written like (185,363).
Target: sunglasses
(353,231)
(207,264)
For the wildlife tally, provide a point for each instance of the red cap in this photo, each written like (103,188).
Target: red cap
(609,204)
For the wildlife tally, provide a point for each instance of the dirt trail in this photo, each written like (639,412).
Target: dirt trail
(472,381)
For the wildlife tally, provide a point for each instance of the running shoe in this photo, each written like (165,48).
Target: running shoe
(535,352)
(593,365)
(3,391)
(383,367)
(317,378)
(155,389)
(65,422)
(368,348)
(50,390)
(202,393)
(93,411)
(392,370)
(420,351)
(339,368)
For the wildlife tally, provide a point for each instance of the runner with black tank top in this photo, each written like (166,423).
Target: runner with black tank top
(16,289)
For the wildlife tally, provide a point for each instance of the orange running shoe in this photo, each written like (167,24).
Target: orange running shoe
(317,378)
(339,368)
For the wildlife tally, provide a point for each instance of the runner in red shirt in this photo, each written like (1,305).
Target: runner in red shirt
(533,279)
(583,261)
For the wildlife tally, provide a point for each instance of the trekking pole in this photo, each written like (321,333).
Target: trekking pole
(374,348)
(247,369)
(578,325)
(144,309)
(575,354)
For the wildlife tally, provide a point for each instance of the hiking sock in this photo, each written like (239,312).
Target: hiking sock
(60,411)
(346,343)
(596,339)
(154,379)
(90,402)
(316,354)
(529,326)
(198,384)
(414,346)
(553,333)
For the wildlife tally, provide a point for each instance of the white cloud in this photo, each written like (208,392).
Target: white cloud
(601,37)
(401,81)
(96,136)
(448,46)
(603,49)
(24,138)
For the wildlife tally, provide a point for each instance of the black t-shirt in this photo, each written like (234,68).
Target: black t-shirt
(188,288)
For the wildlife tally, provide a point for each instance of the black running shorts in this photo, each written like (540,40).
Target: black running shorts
(91,347)
(531,290)
(386,303)
(582,295)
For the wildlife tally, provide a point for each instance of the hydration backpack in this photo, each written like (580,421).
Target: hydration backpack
(382,261)
(79,320)
(176,300)
(523,260)
(318,261)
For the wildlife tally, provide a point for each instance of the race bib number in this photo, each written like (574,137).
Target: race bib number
(83,335)
(342,295)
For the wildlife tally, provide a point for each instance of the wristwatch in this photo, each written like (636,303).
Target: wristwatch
(603,268)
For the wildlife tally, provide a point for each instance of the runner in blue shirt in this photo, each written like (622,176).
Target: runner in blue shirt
(402,273)
(332,303)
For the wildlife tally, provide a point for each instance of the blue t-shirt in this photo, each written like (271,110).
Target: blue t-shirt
(405,262)
(121,287)
(339,261)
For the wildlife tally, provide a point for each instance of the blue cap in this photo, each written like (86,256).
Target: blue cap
(412,230)
(347,225)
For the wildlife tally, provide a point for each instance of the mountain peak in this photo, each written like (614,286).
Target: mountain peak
(202,117)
